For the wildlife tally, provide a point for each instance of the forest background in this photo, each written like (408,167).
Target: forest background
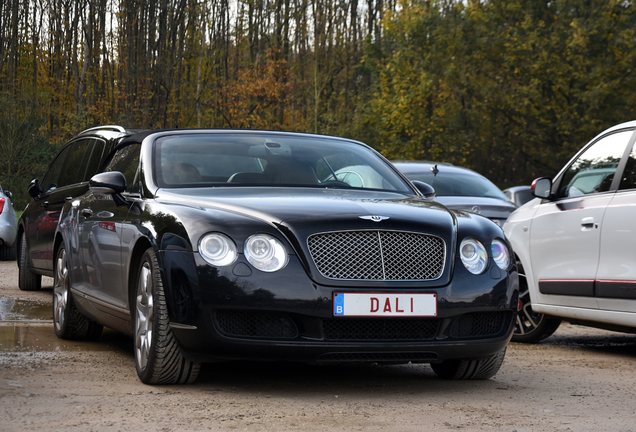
(509,88)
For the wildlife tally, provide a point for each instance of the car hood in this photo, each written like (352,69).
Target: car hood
(488,207)
(324,209)
(299,213)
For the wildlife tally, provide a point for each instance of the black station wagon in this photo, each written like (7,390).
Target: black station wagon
(208,245)
(66,178)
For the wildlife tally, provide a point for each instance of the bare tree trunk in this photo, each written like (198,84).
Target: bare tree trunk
(13,47)
(204,17)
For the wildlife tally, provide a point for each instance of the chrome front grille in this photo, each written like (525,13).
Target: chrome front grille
(378,255)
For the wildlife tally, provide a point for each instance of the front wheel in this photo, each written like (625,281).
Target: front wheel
(464,369)
(158,357)
(531,327)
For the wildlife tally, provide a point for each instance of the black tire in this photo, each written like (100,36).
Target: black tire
(93,331)
(68,322)
(158,357)
(463,369)
(27,281)
(531,327)
(7,253)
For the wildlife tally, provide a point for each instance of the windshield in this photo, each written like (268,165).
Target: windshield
(458,184)
(255,159)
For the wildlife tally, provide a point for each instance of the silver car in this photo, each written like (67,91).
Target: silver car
(8,226)
(460,188)
(519,194)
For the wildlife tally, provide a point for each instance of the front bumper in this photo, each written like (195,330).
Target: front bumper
(242,313)
(8,232)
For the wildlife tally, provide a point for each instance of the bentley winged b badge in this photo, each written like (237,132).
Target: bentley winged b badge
(374,218)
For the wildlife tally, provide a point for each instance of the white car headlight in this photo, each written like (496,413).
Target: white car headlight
(217,249)
(473,255)
(500,254)
(265,253)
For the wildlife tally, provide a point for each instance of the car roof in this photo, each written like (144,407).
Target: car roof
(416,166)
(629,124)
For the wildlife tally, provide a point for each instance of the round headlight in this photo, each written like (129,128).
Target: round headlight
(473,255)
(500,254)
(217,249)
(265,253)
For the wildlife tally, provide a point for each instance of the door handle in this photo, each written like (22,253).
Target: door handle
(87,212)
(45,204)
(587,222)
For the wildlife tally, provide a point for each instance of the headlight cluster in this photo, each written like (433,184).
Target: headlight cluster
(263,251)
(475,256)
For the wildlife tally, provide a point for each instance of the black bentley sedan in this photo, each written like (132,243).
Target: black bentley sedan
(209,245)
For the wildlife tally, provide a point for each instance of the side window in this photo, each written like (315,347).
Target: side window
(51,178)
(73,163)
(126,161)
(593,171)
(81,171)
(628,181)
(94,159)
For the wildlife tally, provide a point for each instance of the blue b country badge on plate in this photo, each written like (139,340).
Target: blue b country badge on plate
(338,304)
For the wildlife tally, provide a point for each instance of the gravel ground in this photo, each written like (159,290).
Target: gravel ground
(580,379)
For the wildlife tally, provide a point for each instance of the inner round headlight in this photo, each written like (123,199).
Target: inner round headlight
(265,253)
(473,255)
(500,254)
(217,249)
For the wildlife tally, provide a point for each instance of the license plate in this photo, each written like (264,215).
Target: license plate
(384,305)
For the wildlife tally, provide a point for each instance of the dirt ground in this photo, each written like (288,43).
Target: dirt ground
(580,379)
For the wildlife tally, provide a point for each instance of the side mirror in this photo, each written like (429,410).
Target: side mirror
(34,188)
(542,187)
(112,182)
(8,194)
(425,188)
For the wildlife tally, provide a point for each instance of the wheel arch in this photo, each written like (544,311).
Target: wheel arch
(133,269)
(56,244)
(526,270)
(18,242)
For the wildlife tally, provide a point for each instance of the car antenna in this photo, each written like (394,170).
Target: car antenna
(435,170)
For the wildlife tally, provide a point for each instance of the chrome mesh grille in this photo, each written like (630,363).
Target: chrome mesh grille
(378,255)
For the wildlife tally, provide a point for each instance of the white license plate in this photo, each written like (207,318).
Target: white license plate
(384,305)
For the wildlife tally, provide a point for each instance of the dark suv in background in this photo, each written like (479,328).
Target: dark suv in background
(66,178)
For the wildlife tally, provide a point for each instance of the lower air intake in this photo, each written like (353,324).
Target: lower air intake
(256,325)
(380,329)
(479,324)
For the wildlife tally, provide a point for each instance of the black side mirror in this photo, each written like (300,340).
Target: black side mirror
(112,182)
(34,188)
(8,194)
(426,189)
(542,187)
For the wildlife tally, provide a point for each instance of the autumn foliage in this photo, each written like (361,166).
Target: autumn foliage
(510,88)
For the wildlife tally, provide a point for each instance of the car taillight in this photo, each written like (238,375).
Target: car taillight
(1,205)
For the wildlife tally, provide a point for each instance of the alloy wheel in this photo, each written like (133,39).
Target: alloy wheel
(144,316)
(60,290)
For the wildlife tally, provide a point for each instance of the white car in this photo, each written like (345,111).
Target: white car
(8,226)
(575,241)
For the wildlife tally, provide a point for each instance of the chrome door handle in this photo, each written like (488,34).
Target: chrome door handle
(87,212)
